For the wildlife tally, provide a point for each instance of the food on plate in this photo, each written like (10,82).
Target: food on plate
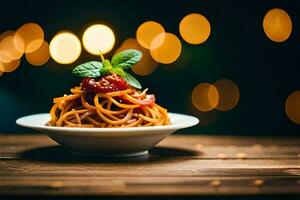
(108,96)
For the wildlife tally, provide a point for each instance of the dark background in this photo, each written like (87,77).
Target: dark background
(237,49)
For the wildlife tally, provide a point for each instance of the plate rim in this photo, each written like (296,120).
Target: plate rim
(191,122)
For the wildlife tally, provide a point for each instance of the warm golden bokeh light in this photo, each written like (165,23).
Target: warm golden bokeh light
(229,94)
(205,97)
(181,62)
(168,51)
(10,67)
(40,56)
(206,118)
(147,65)
(12,46)
(65,48)
(32,35)
(4,57)
(146,33)
(6,33)
(292,107)
(1,68)
(194,28)
(277,25)
(98,38)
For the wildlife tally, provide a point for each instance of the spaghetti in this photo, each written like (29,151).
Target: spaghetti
(125,108)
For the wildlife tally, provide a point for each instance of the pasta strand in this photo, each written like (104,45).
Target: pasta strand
(105,110)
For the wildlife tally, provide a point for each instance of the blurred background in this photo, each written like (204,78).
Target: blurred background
(233,64)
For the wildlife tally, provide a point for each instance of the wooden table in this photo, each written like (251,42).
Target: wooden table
(180,165)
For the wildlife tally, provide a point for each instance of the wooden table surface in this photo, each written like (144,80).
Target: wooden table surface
(180,165)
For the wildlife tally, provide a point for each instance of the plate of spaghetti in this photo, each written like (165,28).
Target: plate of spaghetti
(108,113)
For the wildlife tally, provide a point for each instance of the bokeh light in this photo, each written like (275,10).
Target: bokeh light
(147,65)
(13,46)
(1,72)
(181,62)
(194,28)
(168,51)
(205,97)
(4,57)
(229,94)
(40,56)
(10,67)
(146,33)
(65,48)
(32,35)
(1,68)
(98,38)
(292,107)
(206,118)
(277,25)
(6,33)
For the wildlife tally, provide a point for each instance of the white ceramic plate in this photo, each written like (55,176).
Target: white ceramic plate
(111,142)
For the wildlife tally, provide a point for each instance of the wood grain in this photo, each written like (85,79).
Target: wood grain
(180,165)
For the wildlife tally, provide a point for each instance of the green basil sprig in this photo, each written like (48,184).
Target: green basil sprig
(126,59)
(121,61)
(132,81)
(89,69)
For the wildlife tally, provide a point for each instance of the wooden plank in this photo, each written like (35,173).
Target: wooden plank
(208,152)
(180,165)
(147,186)
(211,151)
(189,139)
(173,145)
(161,167)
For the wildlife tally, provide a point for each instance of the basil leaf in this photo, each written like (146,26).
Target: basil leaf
(132,81)
(106,64)
(106,67)
(88,69)
(119,71)
(126,59)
